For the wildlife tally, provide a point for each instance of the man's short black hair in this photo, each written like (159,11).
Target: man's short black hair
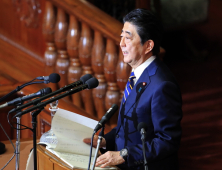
(147,25)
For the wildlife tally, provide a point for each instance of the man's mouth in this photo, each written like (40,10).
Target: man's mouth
(125,52)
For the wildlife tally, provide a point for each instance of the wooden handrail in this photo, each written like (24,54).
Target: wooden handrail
(97,19)
(93,16)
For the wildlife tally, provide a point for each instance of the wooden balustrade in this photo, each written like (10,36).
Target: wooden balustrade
(87,42)
(48,30)
(99,93)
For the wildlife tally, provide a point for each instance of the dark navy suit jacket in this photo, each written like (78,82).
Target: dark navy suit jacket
(156,100)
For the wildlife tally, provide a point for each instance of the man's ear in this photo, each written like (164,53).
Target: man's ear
(149,46)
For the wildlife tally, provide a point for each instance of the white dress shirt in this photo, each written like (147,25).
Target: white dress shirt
(139,70)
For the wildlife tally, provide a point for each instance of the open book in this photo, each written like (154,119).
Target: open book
(70,129)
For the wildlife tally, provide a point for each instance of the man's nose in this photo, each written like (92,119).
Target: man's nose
(122,42)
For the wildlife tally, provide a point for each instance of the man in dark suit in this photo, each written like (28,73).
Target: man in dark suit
(152,96)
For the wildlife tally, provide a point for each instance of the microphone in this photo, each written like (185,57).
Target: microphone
(19,100)
(106,117)
(52,78)
(82,80)
(91,83)
(142,128)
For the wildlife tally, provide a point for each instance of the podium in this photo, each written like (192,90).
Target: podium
(47,160)
(25,146)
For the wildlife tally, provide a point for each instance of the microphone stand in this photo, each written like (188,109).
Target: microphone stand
(17,152)
(34,125)
(17,143)
(100,137)
(144,153)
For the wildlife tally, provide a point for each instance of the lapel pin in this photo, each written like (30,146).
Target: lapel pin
(141,87)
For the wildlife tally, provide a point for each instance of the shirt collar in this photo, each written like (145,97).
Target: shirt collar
(139,70)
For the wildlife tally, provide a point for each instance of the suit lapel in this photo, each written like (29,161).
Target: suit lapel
(137,90)
(142,83)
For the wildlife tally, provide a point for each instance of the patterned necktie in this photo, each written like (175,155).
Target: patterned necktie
(129,86)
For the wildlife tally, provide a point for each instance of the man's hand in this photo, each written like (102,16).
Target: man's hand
(109,158)
(95,139)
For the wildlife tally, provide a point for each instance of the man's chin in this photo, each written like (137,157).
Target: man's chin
(125,60)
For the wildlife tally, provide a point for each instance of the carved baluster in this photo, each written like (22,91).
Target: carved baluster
(99,93)
(110,63)
(48,30)
(49,22)
(61,29)
(50,60)
(61,68)
(60,41)
(85,48)
(75,70)
(123,71)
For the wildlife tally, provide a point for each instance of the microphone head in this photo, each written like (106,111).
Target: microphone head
(46,90)
(54,78)
(85,78)
(111,111)
(92,83)
(43,92)
(142,125)
(106,117)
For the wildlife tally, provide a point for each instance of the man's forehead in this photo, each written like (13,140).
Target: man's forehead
(129,29)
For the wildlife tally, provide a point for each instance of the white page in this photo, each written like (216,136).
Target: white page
(70,130)
(78,161)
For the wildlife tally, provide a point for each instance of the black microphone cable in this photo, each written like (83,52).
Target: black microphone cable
(12,145)
(90,153)
(20,100)
(25,127)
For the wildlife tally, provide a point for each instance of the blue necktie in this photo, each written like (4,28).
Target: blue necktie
(129,86)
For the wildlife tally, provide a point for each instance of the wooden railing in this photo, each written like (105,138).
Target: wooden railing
(81,39)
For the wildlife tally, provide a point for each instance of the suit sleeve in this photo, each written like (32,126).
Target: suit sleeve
(166,115)
(110,141)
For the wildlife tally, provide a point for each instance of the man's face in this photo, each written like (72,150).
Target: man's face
(133,51)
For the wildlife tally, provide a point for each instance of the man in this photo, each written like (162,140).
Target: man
(155,100)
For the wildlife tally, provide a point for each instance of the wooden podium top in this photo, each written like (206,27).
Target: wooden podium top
(47,160)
